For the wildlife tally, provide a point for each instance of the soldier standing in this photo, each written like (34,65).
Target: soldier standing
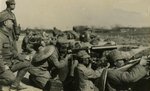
(8,13)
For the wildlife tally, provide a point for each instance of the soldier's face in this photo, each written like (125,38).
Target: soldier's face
(119,63)
(9,24)
(86,61)
(12,6)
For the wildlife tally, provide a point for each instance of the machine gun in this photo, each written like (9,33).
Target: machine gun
(96,53)
(92,48)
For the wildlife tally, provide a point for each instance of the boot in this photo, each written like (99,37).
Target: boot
(16,85)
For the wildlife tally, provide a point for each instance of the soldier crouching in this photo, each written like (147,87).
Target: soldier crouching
(122,75)
(44,62)
(10,61)
(84,73)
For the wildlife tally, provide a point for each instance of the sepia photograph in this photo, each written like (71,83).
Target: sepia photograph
(74,45)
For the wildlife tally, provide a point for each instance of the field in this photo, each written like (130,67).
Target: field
(128,39)
(140,37)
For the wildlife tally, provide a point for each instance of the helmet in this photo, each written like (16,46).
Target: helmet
(116,55)
(9,2)
(85,36)
(83,54)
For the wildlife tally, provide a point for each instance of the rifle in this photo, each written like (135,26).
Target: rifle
(137,58)
(130,64)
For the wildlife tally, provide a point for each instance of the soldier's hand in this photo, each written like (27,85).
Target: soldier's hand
(69,56)
(74,63)
(21,57)
(6,67)
(17,37)
(143,61)
(53,57)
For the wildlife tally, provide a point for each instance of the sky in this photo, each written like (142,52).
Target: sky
(64,14)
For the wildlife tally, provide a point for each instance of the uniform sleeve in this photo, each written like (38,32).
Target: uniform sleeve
(90,73)
(29,47)
(61,63)
(17,32)
(135,74)
(2,66)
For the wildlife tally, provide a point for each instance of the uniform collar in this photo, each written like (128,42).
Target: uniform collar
(7,9)
(81,65)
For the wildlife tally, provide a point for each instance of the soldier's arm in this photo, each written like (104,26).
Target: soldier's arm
(90,73)
(2,65)
(16,30)
(134,74)
(61,63)
(29,47)
(24,42)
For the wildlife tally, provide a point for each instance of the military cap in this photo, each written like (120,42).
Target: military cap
(83,54)
(62,40)
(5,16)
(94,41)
(10,2)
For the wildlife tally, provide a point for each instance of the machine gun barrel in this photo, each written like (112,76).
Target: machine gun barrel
(103,47)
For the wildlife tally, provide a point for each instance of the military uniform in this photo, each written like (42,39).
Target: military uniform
(83,75)
(122,78)
(8,54)
(118,80)
(44,61)
(10,60)
(27,47)
(8,13)
(6,75)
(14,33)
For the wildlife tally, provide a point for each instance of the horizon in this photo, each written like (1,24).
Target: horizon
(64,14)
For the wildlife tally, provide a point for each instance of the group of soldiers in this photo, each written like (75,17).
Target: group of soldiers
(67,61)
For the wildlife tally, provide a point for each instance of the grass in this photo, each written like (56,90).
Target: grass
(128,39)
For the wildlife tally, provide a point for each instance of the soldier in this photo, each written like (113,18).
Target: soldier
(26,46)
(66,73)
(10,60)
(85,39)
(44,62)
(46,39)
(84,73)
(8,13)
(120,77)
(11,6)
